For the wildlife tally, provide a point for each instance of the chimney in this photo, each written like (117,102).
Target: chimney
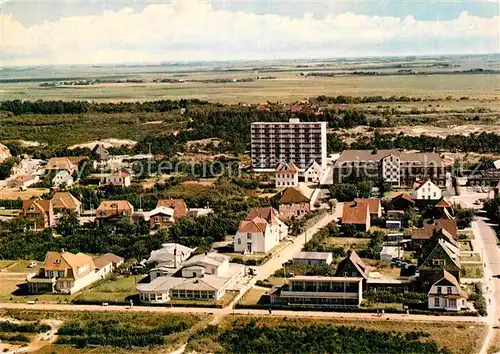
(62,250)
(355,203)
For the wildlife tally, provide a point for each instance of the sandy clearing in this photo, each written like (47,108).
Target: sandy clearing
(107,143)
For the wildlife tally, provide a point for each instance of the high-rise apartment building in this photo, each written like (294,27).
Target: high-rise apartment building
(294,141)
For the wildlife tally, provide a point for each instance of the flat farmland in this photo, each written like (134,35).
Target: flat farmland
(287,87)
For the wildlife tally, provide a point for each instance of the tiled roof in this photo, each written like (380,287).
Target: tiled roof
(287,167)
(257,224)
(65,260)
(373,204)
(179,206)
(60,163)
(105,259)
(430,226)
(114,207)
(65,200)
(448,278)
(443,203)
(268,214)
(355,213)
(292,196)
(404,196)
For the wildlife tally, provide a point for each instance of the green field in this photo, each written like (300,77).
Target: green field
(287,87)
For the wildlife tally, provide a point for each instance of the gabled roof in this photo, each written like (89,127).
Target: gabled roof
(161,210)
(268,214)
(213,258)
(443,203)
(452,251)
(353,258)
(374,204)
(377,155)
(292,196)
(41,205)
(405,197)
(60,163)
(179,206)
(287,167)
(105,259)
(65,260)
(353,213)
(446,280)
(65,200)
(427,231)
(114,207)
(257,224)
(314,166)
(313,255)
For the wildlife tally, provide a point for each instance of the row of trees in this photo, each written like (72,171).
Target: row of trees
(18,107)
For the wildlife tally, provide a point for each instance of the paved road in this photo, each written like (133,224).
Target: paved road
(485,242)
(227,312)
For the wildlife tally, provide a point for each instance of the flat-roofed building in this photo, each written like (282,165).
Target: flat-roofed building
(313,258)
(299,142)
(321,291)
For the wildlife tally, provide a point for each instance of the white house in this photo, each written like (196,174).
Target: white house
(446,294)
(314,173)
(260,231)
(203,277)
(427,190)
(121,178)
(287,175)
(62,178)
(66,273)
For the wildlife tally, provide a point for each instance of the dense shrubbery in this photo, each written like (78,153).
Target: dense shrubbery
(348,191)
(114,334)
(492,208)
(305,269)
(6,326)
(251,338)
(389,297)
(479,301)
(7,166)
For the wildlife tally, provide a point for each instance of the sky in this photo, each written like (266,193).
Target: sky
(44,32)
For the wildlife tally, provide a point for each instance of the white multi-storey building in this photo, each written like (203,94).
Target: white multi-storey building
(295,141)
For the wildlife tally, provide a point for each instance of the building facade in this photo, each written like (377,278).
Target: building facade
(446,294)
(390,166)
(296,141)
(318,290)
(427,191)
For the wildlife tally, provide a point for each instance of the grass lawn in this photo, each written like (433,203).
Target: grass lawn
(470,257)
(221,303)
(471,270)
(465,246)
(115,289)
(6,263)
(15,193)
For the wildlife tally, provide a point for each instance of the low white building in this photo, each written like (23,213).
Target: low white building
(314,173)
(319,290)
(168,259)
(313,258)
(122,178)
(62,178)
(260,232)
(287,175)
(388,253)
(426,191)
(204,277)
(446,294)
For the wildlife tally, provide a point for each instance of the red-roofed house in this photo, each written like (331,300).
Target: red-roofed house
(356,214)
(260,231)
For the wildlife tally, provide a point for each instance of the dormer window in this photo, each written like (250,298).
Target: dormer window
(58,261)
(114,205)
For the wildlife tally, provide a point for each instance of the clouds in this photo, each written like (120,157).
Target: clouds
(194,30)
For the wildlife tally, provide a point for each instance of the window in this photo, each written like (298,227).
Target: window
(449,290)
(353,274)
(436,302)
(346,274)
(249,236)
(239,241)
(439,290)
